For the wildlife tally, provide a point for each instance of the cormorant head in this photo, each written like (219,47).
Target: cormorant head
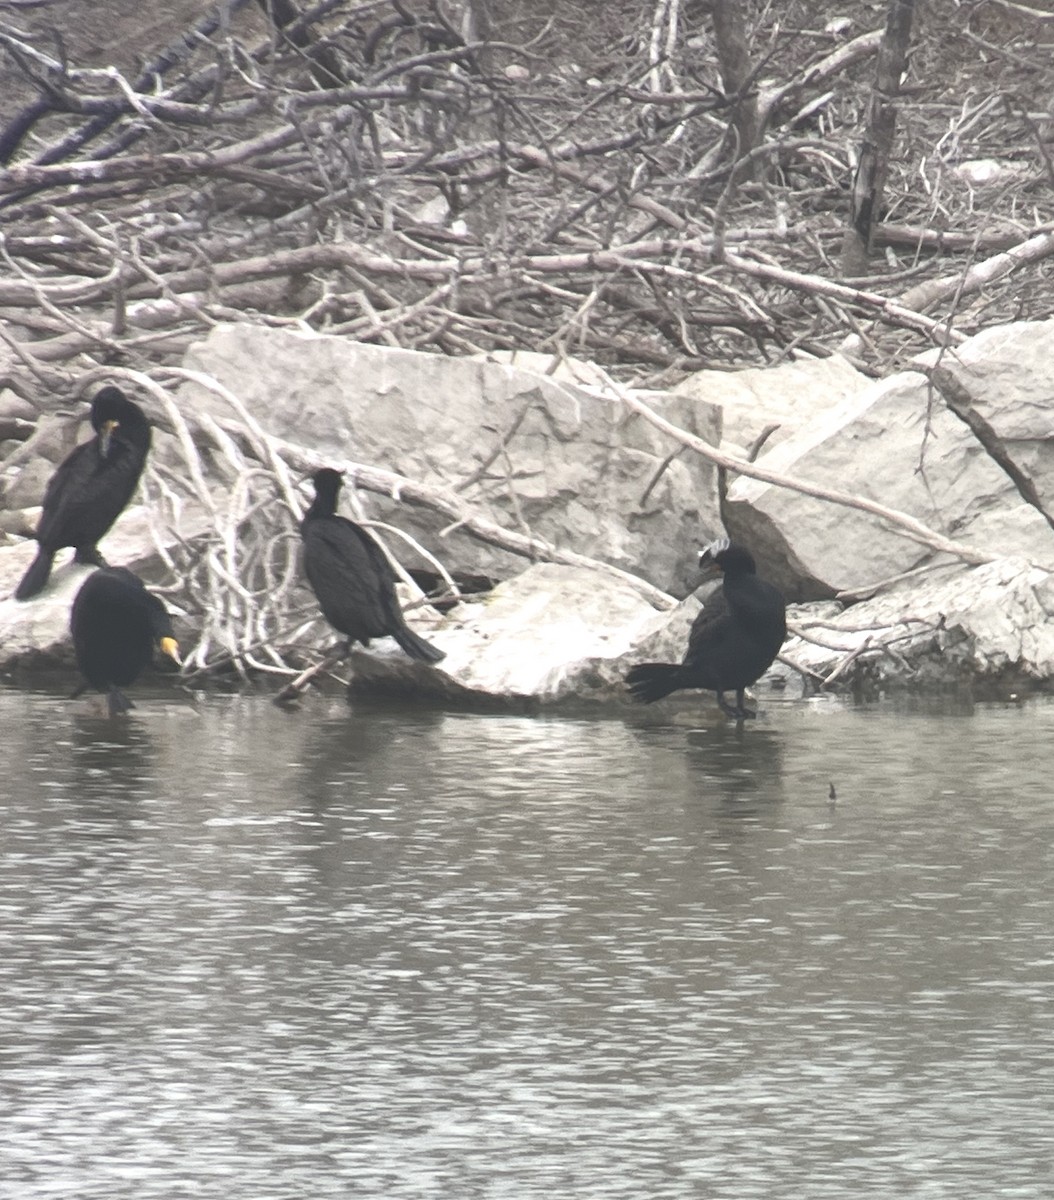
(110,404)
(161,626)
(108,409)
(327,477)
(728,557)
(328,483)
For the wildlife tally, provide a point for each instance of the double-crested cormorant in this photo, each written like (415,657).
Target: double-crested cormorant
(350,576)
(90,487)
(116,624)
(733,642)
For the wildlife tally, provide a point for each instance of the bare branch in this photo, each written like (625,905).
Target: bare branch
(900,522)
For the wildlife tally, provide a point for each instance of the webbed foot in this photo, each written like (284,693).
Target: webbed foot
(90,556)
(739,710)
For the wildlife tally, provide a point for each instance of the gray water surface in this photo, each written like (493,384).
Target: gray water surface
(248,954)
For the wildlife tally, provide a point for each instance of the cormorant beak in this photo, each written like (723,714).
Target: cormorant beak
(106,436)
(170,647)
(706,563)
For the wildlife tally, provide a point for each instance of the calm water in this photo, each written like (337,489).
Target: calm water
(248,954)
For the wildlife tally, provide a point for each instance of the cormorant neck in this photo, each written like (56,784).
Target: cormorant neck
(327,490)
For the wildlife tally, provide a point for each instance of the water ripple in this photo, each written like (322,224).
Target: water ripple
(251,956)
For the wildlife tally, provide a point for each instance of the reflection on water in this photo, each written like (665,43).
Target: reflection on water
(249,954)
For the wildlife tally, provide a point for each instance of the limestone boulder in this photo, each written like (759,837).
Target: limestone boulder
(1009,398)
(552,637)
(538,455)
(558,367)
(898,443)
(990,624)
(787,396)
(551,634)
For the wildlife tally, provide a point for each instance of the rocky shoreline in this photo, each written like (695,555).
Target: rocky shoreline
(575,498)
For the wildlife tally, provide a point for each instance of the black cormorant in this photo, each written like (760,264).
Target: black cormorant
(116,624)
(351,577)
(734,639)
(90,487)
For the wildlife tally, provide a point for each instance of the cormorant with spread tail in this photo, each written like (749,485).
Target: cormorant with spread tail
(733,641)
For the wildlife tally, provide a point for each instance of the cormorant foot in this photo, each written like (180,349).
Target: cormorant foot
(90,556)
(737,711)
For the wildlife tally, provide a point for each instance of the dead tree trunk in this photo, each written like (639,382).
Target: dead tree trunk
(878,137)
(733,56)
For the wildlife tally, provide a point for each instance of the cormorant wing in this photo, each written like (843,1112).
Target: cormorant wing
(710,627)
(346,566)
(66,492)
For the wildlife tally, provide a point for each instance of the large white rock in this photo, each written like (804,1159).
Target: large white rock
(960,624)
(37,632)
(550,634)
(788,395)
(535,454)
(898,443)
(1006,371)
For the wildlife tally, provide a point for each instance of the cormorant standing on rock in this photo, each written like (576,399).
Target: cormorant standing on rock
(733,641)
(351,577)
(116,624)
(90,487)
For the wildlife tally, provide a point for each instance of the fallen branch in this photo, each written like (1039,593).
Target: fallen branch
(847,662)
(854,51)
(1032,250)
(882,307)
(901,522)
(295,688)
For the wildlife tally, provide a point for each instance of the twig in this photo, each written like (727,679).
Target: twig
(295,688)
(846,662)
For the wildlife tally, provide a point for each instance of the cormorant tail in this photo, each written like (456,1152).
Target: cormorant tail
(416,646)
(649,682)
(36,577)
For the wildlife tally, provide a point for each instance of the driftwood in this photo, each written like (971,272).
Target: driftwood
(981,274)
(378,173)
(295,688)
